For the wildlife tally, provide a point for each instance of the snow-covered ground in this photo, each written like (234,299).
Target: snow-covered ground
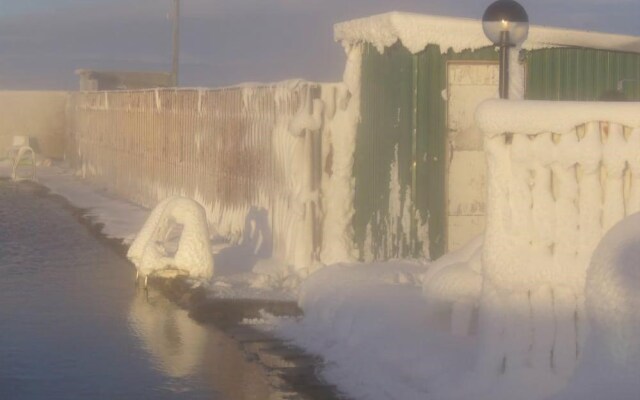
(121,219)
(370,324)
(382,339)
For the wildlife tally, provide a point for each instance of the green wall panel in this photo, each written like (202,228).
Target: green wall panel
(386,127)
(580,74)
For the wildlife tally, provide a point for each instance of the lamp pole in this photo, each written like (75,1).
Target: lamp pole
(175,69)
(506,24)
(504,65)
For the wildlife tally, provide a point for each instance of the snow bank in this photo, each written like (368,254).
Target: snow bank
(369,324)
(610,364)
(379,340)
(119,219)
(416,31)
(455,282)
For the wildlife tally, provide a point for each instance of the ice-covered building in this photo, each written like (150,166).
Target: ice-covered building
(419,164)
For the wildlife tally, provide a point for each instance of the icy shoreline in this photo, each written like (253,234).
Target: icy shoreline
(289,371)
(122,220)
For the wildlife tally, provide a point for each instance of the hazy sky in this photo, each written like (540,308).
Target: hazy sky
(228,41)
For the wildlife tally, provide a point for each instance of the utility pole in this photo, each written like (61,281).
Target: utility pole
(176,43)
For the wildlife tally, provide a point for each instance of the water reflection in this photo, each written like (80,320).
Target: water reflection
(174,341)
(183,350)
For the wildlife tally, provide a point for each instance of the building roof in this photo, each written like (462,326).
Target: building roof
(416,31)
(128,79)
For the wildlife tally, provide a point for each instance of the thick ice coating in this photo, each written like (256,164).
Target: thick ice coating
(193,256)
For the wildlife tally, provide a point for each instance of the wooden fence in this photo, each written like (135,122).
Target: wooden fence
(230,149)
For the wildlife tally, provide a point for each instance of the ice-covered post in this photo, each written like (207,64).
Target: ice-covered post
(305,125)
(506,24)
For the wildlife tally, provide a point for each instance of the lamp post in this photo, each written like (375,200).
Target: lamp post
(176,43)
(506,24)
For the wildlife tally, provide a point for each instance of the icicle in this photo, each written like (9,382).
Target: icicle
(543,212)
(590,202)
(565,348)
(158,102)
(614,160)
(633,156)
(516,75)
(543,328)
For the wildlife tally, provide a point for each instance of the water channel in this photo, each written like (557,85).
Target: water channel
(73,326)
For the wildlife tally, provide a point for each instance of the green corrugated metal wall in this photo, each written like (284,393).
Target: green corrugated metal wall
(387,102)
(580,74)
(402,107)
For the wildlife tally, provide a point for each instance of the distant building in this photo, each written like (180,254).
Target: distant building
(122,80)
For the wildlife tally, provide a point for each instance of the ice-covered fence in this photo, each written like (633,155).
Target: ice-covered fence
(230,149)
(560,174)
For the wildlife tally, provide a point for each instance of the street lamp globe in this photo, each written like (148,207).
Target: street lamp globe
(506,23)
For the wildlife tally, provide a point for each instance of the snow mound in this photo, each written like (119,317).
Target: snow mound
(193,255)
(368,323)
(468,255)
(611,360)
(455,281)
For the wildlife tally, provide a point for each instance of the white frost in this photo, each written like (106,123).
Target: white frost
(341,127)
(495,117)
(455,280)
(24,156)
(193,256)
